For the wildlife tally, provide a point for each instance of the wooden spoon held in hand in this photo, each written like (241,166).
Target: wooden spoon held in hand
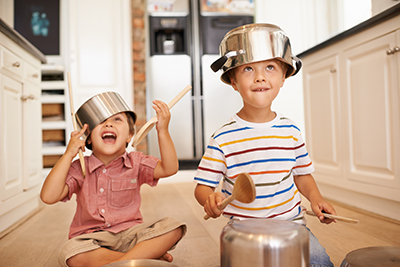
(244,191)
(150,124)
(334,217)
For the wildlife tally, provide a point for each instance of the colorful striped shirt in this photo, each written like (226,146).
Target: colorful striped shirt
(272,153)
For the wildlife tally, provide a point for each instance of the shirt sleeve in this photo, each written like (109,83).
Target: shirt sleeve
(74,179)
(304,164)
(212,166)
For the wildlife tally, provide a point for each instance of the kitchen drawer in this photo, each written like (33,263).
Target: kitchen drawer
(50,160)
(53,135)
(52,110)
(11,63)
(32,74)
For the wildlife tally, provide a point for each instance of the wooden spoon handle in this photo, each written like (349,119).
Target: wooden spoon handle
(179,96)
(224,203)
(150,124)
(71,103)
(334,217)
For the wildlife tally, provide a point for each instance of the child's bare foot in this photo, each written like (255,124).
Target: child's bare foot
(167,257)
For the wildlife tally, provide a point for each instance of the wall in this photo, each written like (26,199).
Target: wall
(139,65)
(290,99)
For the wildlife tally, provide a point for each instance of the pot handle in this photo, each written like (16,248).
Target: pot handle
(217,65)
(298,63)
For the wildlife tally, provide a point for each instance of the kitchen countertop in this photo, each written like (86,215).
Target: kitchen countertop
(20,40)
(381,17)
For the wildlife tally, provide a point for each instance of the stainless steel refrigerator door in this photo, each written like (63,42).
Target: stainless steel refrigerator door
(168,75)
(220,101)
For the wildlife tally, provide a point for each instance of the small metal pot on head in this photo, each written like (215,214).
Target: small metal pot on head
(99,108)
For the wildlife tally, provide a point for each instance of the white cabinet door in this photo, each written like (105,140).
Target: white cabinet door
(322,113)
(32,149)
(372,112)
(10,137)
(100,48)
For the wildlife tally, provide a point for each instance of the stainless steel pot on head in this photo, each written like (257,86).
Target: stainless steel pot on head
(264,242)
(99,108)
(252,43)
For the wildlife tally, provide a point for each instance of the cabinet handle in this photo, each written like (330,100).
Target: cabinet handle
(35,75)
(333,70)
(25,98)
(393,51)
(16,64)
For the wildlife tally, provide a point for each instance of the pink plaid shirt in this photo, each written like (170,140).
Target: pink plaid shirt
(108,198)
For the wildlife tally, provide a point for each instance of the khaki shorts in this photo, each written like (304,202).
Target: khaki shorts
(122,241)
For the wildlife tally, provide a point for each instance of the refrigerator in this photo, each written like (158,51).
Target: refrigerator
(184,38)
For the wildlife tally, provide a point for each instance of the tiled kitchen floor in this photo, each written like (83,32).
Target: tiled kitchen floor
(36,241)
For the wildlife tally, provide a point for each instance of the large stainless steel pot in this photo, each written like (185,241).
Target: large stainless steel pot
(260,242)
(141,263)
(99,108)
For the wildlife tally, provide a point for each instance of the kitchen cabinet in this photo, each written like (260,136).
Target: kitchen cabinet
(352,96)
(20,132)
(99,42)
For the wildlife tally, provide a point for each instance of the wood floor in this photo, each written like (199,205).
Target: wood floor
(36,241)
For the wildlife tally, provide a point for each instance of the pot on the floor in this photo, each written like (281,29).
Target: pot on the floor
(141,263)
(385,256)
(263,242)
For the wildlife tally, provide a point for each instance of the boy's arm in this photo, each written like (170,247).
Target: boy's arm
(209,199)
(168,165)
(54,187)
(309,189)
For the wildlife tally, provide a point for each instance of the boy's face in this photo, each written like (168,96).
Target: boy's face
(258,83)
(110,137)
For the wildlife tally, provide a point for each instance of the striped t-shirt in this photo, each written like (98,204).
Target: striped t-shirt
(272,153)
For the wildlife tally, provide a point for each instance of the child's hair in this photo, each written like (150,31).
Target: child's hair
(283,65)
(131,123)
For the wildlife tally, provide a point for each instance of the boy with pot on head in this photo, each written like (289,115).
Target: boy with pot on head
(108,226)
(255,60)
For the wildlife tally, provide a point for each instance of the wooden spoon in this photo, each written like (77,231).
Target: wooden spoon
(150,124)
(244,191)
(71,103)
(334,217)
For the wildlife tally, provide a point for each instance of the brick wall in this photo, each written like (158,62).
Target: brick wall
(139,65)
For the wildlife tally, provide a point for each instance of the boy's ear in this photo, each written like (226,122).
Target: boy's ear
(283,80)
(129,138)
(233,84)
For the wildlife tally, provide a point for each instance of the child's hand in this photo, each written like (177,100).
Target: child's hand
(163,115)
(213,201)
(323,206)
(75,143)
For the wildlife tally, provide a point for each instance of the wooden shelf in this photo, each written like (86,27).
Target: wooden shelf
(54,114)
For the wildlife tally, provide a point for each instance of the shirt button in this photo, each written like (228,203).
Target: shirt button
(104,171)
(108,225)
(103,210)
(101,190)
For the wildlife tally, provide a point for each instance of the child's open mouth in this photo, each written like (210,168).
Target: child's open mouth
(109,137)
